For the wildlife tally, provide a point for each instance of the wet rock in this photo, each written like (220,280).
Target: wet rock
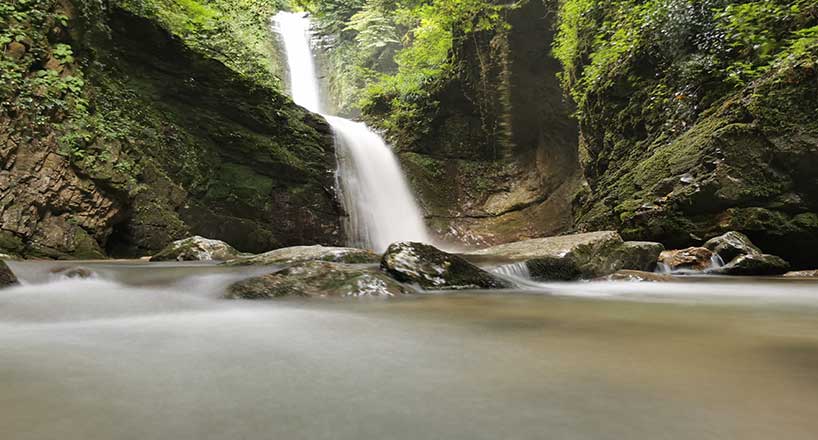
(694,259)
(636,275)
(299,254)
(802,274)
(732,245)
(74,272)
(7,277)
(579,256)
(432,269)
(319,279)
(754,265)
(197,249)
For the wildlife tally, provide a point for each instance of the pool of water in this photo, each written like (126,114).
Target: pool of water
(148,351)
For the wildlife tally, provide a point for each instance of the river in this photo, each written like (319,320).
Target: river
(149,351)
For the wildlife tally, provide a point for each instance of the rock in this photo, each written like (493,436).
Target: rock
(732,245)
(300,254)
(572,257)
(694,258)
(636,275)
(15,50)
(319,279)
(74,272)
(802,274)
(754,265)
(433,269)
(197,249)
(7,277)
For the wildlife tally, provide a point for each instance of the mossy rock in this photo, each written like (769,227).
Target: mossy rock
(432,269)
(7,277)
(319,279)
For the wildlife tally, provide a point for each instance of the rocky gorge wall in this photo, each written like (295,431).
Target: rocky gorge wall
(495,159)
(117,137)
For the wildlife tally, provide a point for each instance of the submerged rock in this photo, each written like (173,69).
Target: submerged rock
(637,275)
(579,256)
(694,259)
(197,249)
(319,279)
(754,265)
(299,254)
(802,274)
(432,269)
(731,246)
(74,272)
(7,277)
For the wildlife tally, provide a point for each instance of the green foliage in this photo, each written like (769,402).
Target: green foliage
(235,32)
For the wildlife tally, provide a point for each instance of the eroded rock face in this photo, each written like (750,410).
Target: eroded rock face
(7,277)
(732,245)
(300,254)
(197,249)
(579,256)
(432,269)
(692,259)
(319,279)
(636,275)
(754,265)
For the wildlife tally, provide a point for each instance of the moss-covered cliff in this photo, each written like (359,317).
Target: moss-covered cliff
(123,128)
(697,118)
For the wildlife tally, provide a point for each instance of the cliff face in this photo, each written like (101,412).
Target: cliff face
(495,159)
(688,130)
(117,137)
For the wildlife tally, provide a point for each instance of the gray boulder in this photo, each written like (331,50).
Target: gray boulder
(578,256)
(432,269)
(636,275)
(197,249)
(319,279)
(300,254)
(7,277)
(731,246)
(754,265)
(802,274)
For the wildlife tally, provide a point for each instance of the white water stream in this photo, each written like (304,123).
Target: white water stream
(374,191)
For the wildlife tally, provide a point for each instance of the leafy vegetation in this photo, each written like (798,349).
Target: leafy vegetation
(706,41)
(392,53)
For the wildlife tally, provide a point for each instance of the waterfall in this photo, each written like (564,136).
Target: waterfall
(375,194)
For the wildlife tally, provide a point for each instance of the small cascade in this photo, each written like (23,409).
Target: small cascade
(517,271)
(375,194)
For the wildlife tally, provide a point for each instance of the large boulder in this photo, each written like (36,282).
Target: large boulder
(579,256)
(432,269)
(197,249)
(690,259)
(754,265)
(731,246)
(319,279)
(7,277)
(300,254)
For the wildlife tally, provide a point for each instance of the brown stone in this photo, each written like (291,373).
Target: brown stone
(694,258)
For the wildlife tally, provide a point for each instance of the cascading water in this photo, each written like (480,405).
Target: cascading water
(373,189)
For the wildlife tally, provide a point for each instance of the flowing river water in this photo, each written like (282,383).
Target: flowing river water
(149,351)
